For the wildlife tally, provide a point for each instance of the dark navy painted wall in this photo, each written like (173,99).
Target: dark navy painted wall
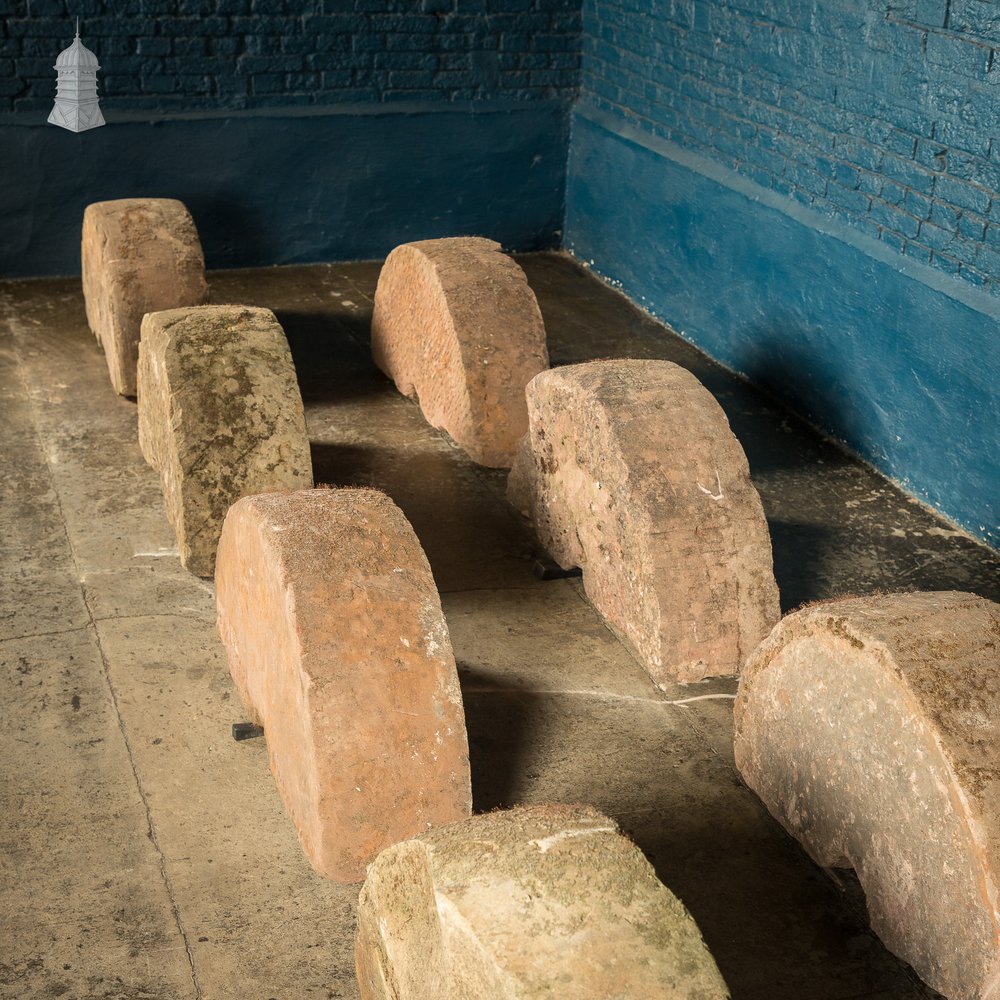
(281,189)
(295,130)
(808,191)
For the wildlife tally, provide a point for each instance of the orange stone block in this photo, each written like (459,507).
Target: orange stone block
(630,471)
(139,255)
(338,647)
(870,728)
(533,903)
(456,326)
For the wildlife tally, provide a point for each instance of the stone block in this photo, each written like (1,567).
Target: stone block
(538,901)
(456,326)
(338,647)
(139,255)
(870,728)
(630,471)
(220,417)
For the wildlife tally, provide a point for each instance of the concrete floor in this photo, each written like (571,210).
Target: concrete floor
(145,854)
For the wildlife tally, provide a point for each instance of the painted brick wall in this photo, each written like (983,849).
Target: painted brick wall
(882,113)
(182,55)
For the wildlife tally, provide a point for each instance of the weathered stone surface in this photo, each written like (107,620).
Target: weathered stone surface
(220,417)
(540,901)
(139,255)
(870,728)
(456,326)
(338,647)
(630,471)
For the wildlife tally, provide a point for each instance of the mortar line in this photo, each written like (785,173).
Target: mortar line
(92,623)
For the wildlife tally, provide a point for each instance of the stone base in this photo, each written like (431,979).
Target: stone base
(139,255)
(630,471)
(456,326)
(338,646)
(220,417)
(536,902)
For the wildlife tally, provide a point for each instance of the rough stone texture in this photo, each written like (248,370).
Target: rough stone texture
(220,417)
(338,646)
(870,728)
(540,901)
(139,255)
(457,327)
(631,472)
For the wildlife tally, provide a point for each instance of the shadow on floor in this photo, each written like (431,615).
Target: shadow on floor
(331,355)
(470,539)
(498,741)
(799,551)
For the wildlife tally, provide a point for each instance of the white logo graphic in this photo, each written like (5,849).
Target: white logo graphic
(76,106)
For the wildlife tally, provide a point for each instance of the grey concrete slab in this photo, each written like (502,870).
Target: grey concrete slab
(86,907)
(40,600)
(103,500)
(255,913)
(543,633)
(39,588)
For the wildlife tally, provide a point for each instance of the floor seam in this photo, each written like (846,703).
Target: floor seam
(92,623)
(42,635)
(596,694)
(154,614)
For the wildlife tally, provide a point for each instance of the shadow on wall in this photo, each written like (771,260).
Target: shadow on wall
(779,361)
(228,229)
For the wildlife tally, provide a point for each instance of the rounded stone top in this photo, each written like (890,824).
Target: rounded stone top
(77,56)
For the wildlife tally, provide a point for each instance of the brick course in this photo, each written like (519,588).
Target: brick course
(178,55)
(847,107)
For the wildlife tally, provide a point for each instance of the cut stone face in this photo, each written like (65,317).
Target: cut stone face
(456,326)
(220,417)
(338,647)
(139,255)
(870,728)
(630,471)
(538,901)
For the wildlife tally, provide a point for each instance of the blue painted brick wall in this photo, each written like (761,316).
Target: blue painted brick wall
(183,55)
(884,114)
